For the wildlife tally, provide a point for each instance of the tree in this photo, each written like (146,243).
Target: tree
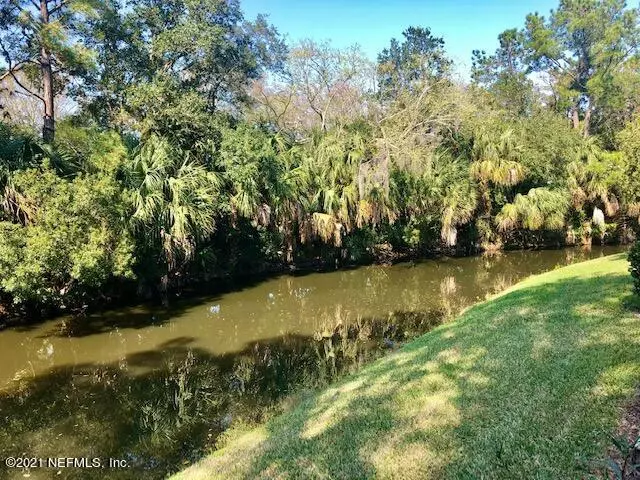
(122,60)
(582,46)
(455,195)
(634,266)
(174,202)
(628,142)
(504,73)
(540,208)
(321,87)
(38,42)
(160,60)
(420,121)
(19,107)
(75,242)
(18,151)
(495,164)
(547,147)
(262,182)
(619,102)
(597,182)
(419,56)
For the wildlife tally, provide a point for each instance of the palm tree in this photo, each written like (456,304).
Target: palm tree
(494,163)
(540,208)
(458,204)
(174,199)
(282,187)
(329,173)
(595,177)
(18,151)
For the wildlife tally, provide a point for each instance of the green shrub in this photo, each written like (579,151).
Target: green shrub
(634,260)
(74,242)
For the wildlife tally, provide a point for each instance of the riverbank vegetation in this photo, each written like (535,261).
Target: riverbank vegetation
(533,380)
(182,142)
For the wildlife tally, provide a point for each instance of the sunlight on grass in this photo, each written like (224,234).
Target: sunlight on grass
(532,380)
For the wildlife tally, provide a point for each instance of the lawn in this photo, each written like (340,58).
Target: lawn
(529,384)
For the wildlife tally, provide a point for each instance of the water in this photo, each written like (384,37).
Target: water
(156,387)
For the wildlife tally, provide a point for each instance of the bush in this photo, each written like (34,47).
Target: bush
(74,242)
(634,260)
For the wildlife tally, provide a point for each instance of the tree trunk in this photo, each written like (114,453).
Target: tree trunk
(48,127)
(290,244)
(587,122)
(575,119)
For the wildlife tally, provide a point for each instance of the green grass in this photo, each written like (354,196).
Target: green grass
(529,384)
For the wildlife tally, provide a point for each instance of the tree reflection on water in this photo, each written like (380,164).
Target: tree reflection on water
(164,407)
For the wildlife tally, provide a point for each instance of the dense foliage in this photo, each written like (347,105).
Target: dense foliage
(634,260)
(201,145)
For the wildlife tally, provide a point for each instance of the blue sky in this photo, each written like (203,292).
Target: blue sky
(464,24)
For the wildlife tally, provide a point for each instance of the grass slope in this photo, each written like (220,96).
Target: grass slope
(529,384)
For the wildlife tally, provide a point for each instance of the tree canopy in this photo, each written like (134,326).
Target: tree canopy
(202,145)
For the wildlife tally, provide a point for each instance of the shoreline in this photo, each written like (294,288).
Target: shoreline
(541,317)
(129,296)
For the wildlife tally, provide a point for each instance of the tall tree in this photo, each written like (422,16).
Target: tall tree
(181,57)
(122,61)
(419,56)
(321,87)
(38,42)
(504,73)
(581,46)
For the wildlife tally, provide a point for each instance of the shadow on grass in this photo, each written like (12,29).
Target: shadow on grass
(528,385)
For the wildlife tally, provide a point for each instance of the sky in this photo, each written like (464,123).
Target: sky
(465,25)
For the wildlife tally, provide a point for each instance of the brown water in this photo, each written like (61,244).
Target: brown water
(156,387)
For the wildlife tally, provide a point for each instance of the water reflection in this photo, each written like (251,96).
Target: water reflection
(157,387)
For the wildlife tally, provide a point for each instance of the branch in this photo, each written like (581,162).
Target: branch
(29,91)
(14,68)
(268,105)
(58,7)
(5,75)
(18,92)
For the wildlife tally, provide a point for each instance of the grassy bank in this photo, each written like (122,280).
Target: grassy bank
(529,384)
